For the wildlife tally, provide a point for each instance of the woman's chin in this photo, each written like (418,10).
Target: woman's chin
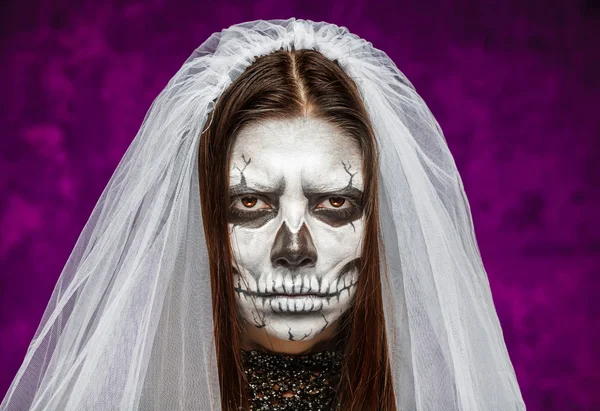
(299,326)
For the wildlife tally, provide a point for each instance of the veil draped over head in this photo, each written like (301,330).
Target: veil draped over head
(130,323)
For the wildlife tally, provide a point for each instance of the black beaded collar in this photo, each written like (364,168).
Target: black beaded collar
(292,382)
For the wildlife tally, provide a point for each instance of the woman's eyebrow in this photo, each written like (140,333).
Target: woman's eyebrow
(351,192)
(254,187)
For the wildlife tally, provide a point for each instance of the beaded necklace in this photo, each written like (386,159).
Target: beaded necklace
(292,382)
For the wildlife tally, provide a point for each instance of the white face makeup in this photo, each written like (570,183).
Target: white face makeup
(296,225)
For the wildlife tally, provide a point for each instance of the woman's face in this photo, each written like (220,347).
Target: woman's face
(296,224)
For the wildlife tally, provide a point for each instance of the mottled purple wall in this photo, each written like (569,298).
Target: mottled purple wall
(514,87)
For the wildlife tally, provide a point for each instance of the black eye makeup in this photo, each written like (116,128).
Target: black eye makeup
(338,210)
(251,209)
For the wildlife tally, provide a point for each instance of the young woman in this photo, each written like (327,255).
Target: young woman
(290,183)
(288,230)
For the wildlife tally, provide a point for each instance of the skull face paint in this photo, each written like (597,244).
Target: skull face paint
(296,224)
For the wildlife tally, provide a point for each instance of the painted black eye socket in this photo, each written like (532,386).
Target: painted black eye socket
(337,210)
(251,210)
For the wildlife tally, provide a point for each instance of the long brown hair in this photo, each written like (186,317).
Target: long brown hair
(287,84)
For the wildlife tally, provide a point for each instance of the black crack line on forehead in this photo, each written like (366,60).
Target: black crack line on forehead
(347,169)
(242,184)
(243,178)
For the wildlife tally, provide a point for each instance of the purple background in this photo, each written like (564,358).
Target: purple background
(514,86)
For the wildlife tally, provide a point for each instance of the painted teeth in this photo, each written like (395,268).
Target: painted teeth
(324,285)
(314,284)
(293,304)
(299,284)
(278,283)
(288,283)
(333,286)
(262,284)
(269,282)
(305,284)
(300,304)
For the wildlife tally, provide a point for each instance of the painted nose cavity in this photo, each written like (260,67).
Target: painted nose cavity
(293,250)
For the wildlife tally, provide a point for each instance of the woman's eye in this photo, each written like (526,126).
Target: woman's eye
(250,202)
(334,203)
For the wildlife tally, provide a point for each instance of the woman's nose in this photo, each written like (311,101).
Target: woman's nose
(293,250)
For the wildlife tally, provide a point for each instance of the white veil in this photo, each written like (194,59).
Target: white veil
(129,325)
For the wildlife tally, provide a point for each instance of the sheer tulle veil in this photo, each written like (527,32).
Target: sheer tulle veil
(129,324)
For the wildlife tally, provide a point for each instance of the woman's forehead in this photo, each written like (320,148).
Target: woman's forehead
(310,151)
(306,135)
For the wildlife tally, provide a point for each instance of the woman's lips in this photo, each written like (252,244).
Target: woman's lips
(296,295)
(295,302)
(249,293)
